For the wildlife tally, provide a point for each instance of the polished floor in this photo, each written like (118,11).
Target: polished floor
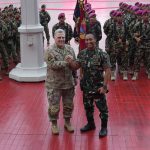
(24,122)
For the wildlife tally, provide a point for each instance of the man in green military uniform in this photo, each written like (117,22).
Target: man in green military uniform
(44,20)
(94,27)
(94,62)
(9,41)
(119,42)
(142,37)
(65,26)
(108,23)
(3,51)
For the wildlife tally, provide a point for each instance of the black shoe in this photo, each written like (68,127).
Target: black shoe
(88,127)
(103,132)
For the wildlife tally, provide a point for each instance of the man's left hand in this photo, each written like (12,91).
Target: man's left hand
(102,90)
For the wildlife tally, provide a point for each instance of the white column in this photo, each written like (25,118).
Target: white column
(32,67)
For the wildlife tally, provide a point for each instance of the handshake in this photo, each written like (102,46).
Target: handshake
(69,59)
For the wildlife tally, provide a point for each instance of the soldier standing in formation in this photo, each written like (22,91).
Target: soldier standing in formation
(129,39)
(94,27)
(65,26)
(44,20)
(3,51)
(142,38)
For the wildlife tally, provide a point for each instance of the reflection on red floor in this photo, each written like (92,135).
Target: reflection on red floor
(24,122)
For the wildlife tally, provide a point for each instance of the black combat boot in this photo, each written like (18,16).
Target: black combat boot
(89,126)
(103,131)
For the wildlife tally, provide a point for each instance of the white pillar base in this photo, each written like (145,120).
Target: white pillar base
(21,74)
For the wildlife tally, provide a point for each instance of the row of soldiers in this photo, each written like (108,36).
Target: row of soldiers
(62,24)
(128,39)
(120,29)
(10,20)
(92,24)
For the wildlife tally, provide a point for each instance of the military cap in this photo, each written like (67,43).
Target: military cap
(139,12)
(6,7)
(91,11)
(135,8)
(140,4)
(145,12)
(61,15)
(11,5)
(137,3)
(115,13)
(119,14)
(87,5)
(92,15)
(112,12)
(125,5)
(129,6)
(121,3)
(87,9)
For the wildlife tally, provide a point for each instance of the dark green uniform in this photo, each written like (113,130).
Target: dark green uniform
(108,23)
(44,20)
(96,30)
(143,48)
(3,52)
(93,64)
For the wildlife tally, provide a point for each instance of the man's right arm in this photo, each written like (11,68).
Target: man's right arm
(73,64)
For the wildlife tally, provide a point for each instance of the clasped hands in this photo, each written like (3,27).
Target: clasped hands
(69,59)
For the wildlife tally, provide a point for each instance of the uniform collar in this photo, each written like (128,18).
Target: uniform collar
(59,50)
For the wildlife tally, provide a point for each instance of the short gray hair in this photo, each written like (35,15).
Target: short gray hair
(59,31)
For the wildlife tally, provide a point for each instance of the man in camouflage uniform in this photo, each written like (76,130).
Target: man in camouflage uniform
(132,43)
(108,23)
(9,41)
(119,44)
(60,81)
(65,26)
(44,20)
(142,37)
(95,27)
(3,52)
(94,62)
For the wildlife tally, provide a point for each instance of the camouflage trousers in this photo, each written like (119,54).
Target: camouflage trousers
(142,54)
(54,97)
(132,51)
(101,104)
(4,54)
(108,45)
(46,30)
(119,56)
